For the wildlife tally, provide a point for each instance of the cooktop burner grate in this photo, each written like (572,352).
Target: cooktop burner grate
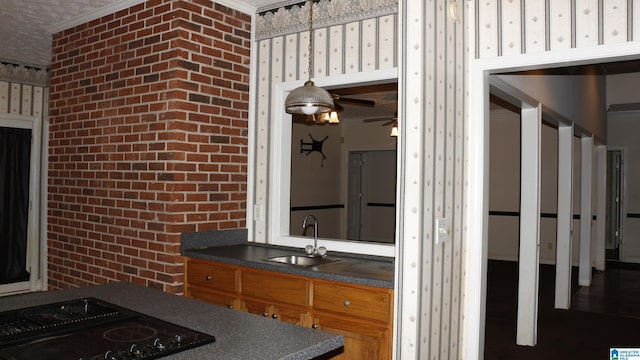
(27,324)
(91,329)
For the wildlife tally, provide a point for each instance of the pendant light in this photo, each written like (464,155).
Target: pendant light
(309,99)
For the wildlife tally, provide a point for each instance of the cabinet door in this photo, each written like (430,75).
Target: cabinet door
(362,340)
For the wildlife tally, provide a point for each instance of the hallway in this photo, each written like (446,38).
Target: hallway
(605,315)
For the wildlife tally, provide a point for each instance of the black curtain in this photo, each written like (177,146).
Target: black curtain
(15,158)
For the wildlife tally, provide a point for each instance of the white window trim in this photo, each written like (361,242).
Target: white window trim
(36,259)
(280,145)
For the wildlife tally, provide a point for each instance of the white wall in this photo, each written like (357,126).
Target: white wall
(623,130)
(579,98)
(623,88)
(504,189)
(324,182)
(316,181)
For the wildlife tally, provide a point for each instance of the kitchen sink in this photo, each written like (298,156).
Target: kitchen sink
(301,260)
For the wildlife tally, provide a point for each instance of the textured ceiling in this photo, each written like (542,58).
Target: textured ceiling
(24,35)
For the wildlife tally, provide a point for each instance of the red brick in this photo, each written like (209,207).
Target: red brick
(131,165)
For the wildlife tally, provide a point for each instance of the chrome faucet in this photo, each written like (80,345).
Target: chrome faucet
(313,251)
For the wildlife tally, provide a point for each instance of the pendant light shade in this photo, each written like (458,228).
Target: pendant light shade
(309,99)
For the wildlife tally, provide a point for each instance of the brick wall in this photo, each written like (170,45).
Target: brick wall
(148,139)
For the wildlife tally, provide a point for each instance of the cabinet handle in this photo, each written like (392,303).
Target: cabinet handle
(265,314)
(209,277)
(314,326)
(346,303)
(275,316)
(230,306)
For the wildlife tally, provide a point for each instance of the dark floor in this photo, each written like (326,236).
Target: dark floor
(602,316)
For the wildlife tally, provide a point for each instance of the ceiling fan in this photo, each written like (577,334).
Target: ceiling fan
(387,120)
(338,100)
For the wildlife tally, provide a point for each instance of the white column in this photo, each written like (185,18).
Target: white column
(601,206)
(529,226)
(586,171)
(565,217)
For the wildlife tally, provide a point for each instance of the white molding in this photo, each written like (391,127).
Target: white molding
(477,191)
(529,259)
(240,6)
(586,210)
(601,206)
(125,4)
(564,242)
(34,255)
(252,137)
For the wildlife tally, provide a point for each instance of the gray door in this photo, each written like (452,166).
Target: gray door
(372,194)
(614,204)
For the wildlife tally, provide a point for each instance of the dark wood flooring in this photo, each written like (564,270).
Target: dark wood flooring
(602,316)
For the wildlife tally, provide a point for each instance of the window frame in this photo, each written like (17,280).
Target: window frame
(280,166)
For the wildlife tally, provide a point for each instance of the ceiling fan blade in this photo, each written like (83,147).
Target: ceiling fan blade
(385,118)
(361,102)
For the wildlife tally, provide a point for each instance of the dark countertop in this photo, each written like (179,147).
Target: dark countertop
(351,268)
(238,335)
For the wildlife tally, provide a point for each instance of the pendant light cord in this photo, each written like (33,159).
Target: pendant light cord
(310,38)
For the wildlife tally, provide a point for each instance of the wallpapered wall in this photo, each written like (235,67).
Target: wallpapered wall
(350,47)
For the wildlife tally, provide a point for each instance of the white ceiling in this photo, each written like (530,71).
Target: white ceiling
(25,25)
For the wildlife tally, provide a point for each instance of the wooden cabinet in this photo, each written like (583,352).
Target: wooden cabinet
(215,283)
(362,340)
(272,295)
(362,314)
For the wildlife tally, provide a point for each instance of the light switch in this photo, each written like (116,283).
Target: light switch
(441,231)
(257,212)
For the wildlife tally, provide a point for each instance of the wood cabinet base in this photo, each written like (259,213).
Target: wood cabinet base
(362,314)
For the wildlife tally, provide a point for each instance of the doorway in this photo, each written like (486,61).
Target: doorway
(371,198)
(613,221)
(19,205)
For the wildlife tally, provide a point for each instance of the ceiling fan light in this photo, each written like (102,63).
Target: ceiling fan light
(308,99)
(323,118)
(333,118)
(394,131)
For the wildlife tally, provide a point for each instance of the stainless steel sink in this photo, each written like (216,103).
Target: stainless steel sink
(301,260)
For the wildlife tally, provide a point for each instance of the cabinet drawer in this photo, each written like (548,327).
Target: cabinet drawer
(211,276)
(212,297)
(345,300)
(274,287)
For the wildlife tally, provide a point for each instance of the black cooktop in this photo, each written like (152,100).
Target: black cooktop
(91,329)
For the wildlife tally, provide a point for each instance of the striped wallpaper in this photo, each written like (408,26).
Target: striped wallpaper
(510,27)
(359,46)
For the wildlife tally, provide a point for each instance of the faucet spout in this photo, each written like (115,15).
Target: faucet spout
(315,232)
